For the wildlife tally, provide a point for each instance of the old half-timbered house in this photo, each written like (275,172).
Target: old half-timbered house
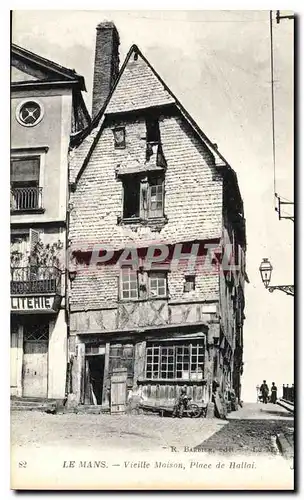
(47,111)
(146,181)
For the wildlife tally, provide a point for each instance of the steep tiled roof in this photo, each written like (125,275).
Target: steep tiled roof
(139,86)
(144,88)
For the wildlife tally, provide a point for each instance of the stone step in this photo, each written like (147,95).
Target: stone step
(33,399)
(35,404)
(30,403)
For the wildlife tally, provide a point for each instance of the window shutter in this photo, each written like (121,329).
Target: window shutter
(34,238)
(144,198)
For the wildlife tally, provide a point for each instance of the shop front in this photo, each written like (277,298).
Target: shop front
(38,343)
(154,366)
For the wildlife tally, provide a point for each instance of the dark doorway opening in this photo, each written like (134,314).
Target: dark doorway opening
(94,379)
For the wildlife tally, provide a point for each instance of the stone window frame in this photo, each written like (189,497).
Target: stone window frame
(22,104)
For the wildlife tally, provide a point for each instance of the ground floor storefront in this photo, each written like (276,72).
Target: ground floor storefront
(154,367)
(38,355)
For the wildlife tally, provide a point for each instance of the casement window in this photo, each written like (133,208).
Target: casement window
(27,175)
(157,284)
(128,283)
(119,137)
(156,197)
(189,283)
(184,361)
(143,197)
(25,183)
(144,285)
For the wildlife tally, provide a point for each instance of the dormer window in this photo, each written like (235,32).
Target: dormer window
(119,137)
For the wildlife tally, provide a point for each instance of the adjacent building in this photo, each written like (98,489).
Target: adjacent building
(47,114)
(146,182)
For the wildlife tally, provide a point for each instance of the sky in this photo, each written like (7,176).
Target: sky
(217,63)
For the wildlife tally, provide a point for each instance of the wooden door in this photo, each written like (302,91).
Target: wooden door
(35,369)
(119,391)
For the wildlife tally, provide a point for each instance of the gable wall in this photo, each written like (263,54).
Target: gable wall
(193,205)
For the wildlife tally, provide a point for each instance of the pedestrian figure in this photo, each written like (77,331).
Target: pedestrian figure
(264,391)
(181,403)
(273,398)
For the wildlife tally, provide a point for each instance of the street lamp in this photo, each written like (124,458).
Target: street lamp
(266,270)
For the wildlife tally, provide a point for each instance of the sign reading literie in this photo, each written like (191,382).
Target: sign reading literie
(32,303)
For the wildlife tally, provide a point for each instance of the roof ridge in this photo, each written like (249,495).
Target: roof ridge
(21,51)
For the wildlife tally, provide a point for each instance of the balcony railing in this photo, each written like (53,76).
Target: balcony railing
(26,198)
(35,279)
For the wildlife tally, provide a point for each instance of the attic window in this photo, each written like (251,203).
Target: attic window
(153,134)
(119,137)
(135,56)
(29,113)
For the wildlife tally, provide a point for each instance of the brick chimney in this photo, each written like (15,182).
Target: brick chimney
(106,66)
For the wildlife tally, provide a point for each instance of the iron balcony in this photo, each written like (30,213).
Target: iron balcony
(35,280)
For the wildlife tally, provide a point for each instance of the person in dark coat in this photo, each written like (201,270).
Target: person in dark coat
(181,403)
(264,391)
(273,397)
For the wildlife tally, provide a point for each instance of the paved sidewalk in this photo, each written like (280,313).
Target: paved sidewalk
(260,411)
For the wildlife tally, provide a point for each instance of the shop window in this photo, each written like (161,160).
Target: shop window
(175,361)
